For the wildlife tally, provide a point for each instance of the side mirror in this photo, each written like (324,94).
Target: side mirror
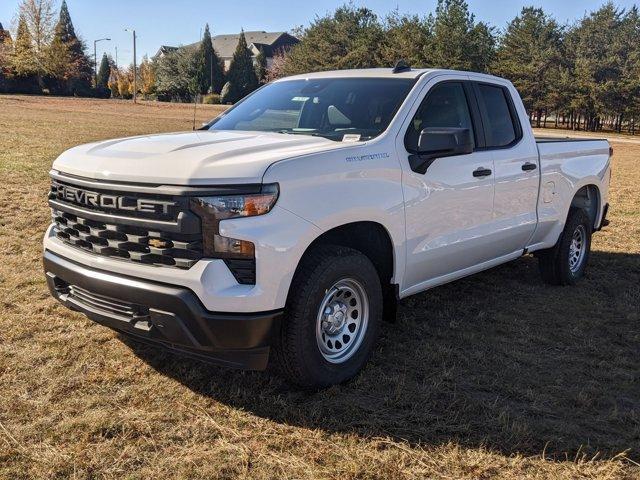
(439,142)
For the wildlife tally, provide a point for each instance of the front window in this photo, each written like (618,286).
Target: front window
(336,108)
(445,106)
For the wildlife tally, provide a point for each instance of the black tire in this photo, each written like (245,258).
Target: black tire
(296,353)
(554,263)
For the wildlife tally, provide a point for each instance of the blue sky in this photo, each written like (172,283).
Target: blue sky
(172,22)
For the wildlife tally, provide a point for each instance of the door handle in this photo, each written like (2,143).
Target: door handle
(529,166)
(481,172)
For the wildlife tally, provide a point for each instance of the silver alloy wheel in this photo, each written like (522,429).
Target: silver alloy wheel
(342,320)
(577,249)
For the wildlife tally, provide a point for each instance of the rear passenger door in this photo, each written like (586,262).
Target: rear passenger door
(516,168)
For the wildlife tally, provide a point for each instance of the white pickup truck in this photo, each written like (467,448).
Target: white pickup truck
(285,230)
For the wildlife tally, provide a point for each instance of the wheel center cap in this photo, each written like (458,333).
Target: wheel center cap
(335,318)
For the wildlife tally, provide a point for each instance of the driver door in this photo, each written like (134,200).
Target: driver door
(449,208)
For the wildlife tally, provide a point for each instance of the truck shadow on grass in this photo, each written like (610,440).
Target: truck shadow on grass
(498,360)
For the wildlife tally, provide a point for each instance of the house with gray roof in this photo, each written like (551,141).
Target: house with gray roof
(225,45)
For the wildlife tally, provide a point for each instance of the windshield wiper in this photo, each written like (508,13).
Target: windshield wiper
(328,136)
(297,132)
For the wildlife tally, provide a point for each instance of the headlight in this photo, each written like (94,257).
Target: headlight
(212,210)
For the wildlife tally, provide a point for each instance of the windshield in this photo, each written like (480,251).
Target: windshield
(350,109)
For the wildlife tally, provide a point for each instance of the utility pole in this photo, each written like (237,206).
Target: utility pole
(116,56)
(95,57)
(135,66)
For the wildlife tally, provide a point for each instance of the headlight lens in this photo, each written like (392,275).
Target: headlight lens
(212,210)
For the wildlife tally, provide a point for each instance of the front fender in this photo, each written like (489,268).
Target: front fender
(331,189)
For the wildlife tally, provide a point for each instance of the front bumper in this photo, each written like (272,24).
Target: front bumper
(163,314)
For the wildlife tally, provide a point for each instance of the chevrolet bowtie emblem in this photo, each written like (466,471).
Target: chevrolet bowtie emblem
(158,243)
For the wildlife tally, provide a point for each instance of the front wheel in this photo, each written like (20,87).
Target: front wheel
(331,320)
(566,262)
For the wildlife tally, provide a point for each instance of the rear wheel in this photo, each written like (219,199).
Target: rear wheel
(331,320)
(566,262)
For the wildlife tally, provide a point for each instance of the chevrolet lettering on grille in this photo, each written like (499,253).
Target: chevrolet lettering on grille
(112,202)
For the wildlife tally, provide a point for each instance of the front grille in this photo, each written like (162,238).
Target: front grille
(151,228)
(128,242)
(154,225)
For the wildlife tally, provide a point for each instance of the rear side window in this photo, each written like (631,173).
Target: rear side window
(499,122)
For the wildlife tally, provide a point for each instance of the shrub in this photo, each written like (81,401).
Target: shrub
(211,99)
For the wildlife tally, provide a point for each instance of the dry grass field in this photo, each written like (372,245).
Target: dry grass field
(495,376)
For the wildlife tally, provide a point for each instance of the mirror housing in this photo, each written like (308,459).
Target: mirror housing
(440,142)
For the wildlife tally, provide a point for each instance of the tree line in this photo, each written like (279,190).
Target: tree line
(46,54)
(581,76)
(187,72)
(585,75)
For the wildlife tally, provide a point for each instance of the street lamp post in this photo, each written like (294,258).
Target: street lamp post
(135,67)
(95,57)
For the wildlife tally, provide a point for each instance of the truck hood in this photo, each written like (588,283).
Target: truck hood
(189,158)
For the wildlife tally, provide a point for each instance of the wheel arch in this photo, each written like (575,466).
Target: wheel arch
(588,197)
(374,241)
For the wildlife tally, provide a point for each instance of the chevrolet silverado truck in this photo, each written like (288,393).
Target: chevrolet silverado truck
(283,232)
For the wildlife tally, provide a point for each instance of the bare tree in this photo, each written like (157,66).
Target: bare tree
(277,69)
(40,16)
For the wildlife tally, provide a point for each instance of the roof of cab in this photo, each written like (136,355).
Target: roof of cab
(363,73)
(411,73)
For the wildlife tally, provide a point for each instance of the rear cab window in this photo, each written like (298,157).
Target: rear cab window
(499,118)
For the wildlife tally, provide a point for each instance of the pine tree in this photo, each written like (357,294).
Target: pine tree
(530,56)
(5,36)
(407,37)
(261,66)
(600,50)
(458,41)
(349,38)
(241,76)
(176,75)
(23,60)
(630,83)
(209,65)
(104,72)
(6,49)
(69,69)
